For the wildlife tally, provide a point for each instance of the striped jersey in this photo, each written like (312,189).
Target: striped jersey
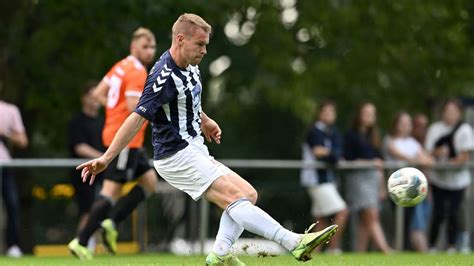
(171,101)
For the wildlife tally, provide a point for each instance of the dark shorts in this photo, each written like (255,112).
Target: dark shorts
(84,193)
(129,165)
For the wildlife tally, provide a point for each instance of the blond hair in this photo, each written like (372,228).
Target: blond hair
(186,23)
(142,32)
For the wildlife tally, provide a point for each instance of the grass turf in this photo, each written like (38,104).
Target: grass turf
(167,259)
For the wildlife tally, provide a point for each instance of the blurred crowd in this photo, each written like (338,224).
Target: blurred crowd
(412,140)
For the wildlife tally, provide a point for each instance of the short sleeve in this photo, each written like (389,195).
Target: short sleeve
(17,123)
(415,144)
(463,139)
(134,82)
(154,97)
(315,138)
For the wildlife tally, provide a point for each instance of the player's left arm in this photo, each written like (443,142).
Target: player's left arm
(210,129)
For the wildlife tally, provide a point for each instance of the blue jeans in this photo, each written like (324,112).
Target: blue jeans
(420,216)
(10,198)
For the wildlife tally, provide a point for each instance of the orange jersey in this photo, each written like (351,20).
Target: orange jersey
(126,78)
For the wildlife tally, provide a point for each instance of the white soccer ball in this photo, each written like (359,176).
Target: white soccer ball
(407,187)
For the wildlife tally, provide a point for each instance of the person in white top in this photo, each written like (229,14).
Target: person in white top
(12,131)
(449,140)
(401,146)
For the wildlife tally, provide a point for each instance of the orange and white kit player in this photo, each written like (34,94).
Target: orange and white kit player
(119,92)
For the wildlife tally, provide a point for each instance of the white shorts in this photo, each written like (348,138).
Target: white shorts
(326,200)
(191,169)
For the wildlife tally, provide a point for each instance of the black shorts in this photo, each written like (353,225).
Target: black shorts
(129,165)
(84,193)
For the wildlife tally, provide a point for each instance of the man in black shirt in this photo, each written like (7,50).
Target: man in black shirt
(85,141)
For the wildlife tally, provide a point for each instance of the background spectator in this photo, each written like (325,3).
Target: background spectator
(12,131)
(85,141)
(361,143)
(420,126)
(401,146)
(449,140)
(323,142)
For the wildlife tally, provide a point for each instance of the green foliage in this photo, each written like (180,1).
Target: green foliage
(399,54)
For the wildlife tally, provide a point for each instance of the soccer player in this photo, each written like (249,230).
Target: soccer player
(119,92)
(171,100)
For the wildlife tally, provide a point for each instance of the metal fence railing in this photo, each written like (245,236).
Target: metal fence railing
(256,164)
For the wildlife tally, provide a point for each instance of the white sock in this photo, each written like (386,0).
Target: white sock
(257,221)
(229,232)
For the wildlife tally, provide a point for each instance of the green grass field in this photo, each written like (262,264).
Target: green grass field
(166,259)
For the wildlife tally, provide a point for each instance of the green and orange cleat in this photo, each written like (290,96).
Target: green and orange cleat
(309,241)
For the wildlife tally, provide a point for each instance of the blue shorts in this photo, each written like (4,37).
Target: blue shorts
(421,215)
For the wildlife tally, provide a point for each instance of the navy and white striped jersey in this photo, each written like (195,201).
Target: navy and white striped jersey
(171,101)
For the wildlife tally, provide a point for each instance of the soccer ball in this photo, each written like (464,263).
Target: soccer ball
(407,187)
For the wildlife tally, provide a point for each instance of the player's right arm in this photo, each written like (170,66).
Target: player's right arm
(124,135)
(100,92)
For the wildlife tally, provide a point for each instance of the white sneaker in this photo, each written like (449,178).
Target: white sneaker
(451,251)
(336,251)
(14,252)
(433,251)
(466,250)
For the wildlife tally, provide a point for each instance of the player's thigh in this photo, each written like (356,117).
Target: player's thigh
(244,186)
(223,191)
(149,181)
(111,189)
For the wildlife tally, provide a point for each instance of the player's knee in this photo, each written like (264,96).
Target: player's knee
(234,193)
(252,196)
(112,192)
